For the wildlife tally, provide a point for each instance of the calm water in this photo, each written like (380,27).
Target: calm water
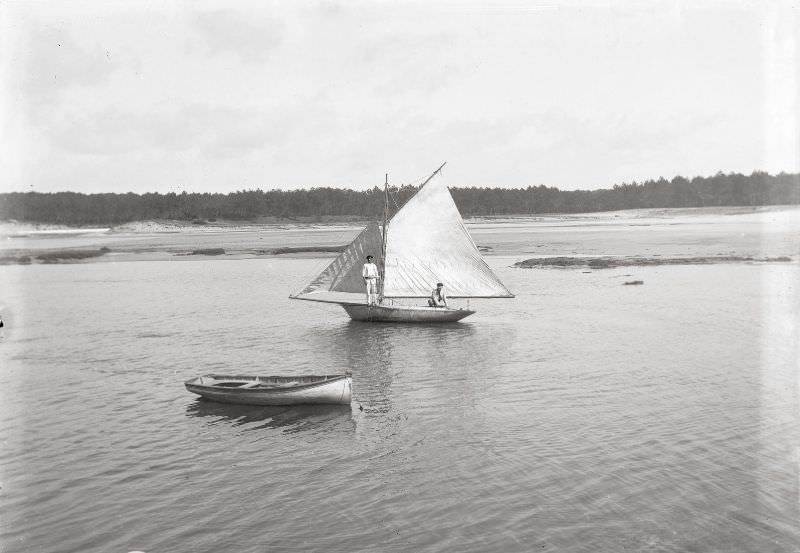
(583,415)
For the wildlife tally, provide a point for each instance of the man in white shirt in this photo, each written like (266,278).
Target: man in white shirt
(371,276)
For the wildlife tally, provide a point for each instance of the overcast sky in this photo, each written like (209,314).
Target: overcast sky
(222,96)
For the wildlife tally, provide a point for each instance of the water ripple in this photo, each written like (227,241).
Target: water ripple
(577,417)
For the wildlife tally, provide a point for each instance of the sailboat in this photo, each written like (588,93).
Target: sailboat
(423,244)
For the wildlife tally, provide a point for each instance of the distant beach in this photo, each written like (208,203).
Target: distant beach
(718,234)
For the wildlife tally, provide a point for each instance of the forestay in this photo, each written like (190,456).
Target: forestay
(427,242)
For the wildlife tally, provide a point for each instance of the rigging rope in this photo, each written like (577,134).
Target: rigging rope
(394,199)
(414,183)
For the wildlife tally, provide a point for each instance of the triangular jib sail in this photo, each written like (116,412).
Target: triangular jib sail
(427,242)
(341,281)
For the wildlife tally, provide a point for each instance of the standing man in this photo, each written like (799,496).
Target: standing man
(438,298)
(371,276)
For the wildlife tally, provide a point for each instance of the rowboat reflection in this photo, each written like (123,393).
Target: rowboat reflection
(289,418)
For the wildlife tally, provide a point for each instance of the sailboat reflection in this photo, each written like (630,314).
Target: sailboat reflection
(290,418)
(375,354)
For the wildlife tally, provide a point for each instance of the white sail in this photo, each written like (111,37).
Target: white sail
(427,242)
(341,281)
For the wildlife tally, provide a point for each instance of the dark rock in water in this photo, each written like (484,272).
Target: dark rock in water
(633,282)
(551,262)
(62,256)
(305,249)
(635,261)
(209,251)
(602,263)
(12,260)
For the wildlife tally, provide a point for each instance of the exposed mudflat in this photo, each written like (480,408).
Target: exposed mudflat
(634,237)
(609,262)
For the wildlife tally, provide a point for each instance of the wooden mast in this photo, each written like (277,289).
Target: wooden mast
(382,270)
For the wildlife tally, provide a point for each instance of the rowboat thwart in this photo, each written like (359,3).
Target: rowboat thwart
(274,390)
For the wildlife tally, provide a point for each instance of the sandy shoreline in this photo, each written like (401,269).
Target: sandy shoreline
(23,229)
(64,256)
(16,228)
(104,254)
(651,236)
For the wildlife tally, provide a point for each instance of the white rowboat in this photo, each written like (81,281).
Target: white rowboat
(274,390)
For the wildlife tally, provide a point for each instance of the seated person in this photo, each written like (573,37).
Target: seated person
(438,298)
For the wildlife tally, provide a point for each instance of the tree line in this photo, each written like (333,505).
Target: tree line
(71,208)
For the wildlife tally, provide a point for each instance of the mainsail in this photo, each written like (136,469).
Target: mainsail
(426,243)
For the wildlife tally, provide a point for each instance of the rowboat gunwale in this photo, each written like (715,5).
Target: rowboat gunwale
(286,390)
(318,380)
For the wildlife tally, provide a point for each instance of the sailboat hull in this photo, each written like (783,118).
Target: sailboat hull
(405,313)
